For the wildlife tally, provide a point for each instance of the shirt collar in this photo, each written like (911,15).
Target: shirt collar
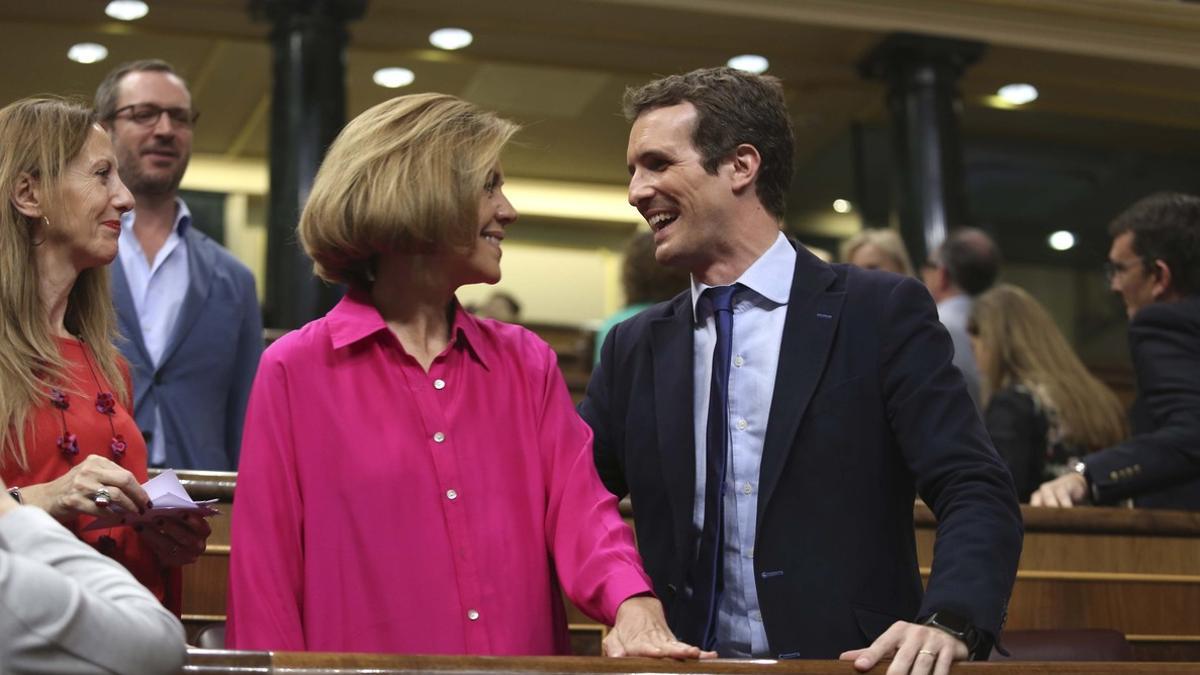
(770,276)
(355,318)
(183,218)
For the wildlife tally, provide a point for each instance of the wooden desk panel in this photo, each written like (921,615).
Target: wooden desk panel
(1135,571)
(205,662)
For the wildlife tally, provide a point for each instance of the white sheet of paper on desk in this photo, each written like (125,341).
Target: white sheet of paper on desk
(169,497)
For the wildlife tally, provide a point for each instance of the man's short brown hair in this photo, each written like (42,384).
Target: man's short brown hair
(733,107)
(1166,227)
(109,91)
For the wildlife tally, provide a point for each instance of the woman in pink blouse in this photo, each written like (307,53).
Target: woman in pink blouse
(415,479)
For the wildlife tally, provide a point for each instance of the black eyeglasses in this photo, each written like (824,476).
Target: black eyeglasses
(1112,268)
(148,114)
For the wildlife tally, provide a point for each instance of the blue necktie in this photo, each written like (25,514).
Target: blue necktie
(709,576)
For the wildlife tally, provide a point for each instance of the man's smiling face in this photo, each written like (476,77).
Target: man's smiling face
(684,205)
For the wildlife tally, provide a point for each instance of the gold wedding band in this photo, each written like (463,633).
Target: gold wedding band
(926,651)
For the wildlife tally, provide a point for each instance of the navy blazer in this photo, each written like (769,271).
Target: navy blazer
(868,412)
(203,382)
(1160,465)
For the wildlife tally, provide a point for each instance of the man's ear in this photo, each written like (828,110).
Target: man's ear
(1161,288)
(744,164)
(941,280)
(26,196)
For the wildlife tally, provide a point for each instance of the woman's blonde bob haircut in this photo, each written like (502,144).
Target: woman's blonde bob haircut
(39,136)
(887,241)
(404,176)
(1024,347)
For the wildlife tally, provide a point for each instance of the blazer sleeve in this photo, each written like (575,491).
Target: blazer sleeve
(596,408)
(593,550)
(266,564)
(247,352)
(956,469)
(1166,357)
(64,608)
(1018,431)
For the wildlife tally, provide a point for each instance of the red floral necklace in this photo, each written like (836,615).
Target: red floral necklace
(106,404)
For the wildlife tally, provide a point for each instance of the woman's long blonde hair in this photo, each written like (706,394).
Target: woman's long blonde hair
(1023,346)
(39,136)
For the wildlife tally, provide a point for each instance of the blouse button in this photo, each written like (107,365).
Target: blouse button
(742,424)
(439,437)
(472,615)
(439,383)
(738,361)
(451,494)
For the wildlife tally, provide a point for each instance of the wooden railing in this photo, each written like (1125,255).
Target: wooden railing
(205,662)
(1136,571)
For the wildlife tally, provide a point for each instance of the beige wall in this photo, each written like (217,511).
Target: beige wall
(561,259)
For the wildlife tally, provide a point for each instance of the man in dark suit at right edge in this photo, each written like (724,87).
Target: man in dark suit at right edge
(1154,265)
(773,424)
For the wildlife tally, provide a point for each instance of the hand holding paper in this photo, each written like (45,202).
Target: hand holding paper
(169,498)
(174,528)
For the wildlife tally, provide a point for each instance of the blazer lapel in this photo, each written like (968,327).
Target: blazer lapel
(201,267)
(126,313)
(671,352)
(812,316)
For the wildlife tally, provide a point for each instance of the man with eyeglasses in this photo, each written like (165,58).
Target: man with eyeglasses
(187,308)
(1154,265)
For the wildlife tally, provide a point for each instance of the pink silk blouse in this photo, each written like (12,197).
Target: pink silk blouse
(381,508)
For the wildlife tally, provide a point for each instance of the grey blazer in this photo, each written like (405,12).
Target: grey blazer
(64,608)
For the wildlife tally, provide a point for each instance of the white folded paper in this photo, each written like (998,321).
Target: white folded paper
(170,500)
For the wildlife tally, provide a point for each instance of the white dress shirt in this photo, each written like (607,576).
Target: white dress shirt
(158,288)
(759,311)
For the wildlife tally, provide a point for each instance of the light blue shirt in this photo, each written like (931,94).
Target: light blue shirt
(954,314)
(158,288)
(758,317)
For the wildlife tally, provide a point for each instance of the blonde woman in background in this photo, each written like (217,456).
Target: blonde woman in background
(1043,409)
(877,249)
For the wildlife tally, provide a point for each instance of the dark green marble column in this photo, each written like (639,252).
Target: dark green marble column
(308,109)
(924,105)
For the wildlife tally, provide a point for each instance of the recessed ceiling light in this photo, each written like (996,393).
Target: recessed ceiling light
(1018,94)
(842,206)
(1062,241)
(393,78)
(127,10)
(450,38)
(751,63)
(87,52)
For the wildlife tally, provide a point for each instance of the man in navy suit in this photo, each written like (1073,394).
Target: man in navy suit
(1154,265)
(186,307)
(841,404)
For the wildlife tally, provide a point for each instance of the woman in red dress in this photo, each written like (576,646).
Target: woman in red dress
(72,447)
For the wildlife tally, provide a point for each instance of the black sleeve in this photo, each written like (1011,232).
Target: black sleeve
(1018,431)
(1165,341)
(596,410)
(957,471)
